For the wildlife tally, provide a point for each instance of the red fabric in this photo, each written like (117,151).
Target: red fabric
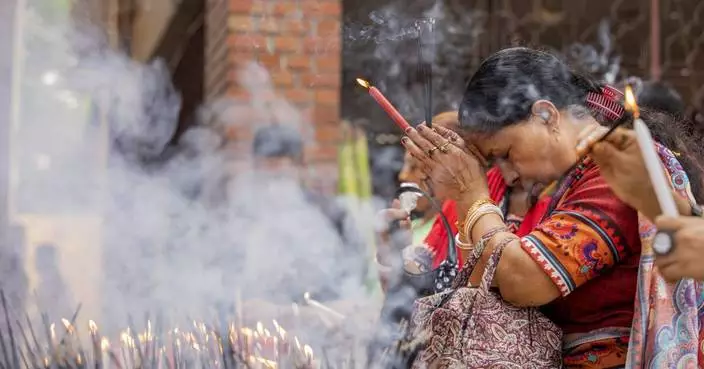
(437,237)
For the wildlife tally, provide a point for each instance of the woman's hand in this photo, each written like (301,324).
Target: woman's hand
(456,169)
(687,258)
(621,164)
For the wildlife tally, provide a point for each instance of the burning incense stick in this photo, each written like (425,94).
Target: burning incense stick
(321,307)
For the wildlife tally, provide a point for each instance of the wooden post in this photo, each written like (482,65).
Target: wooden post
(655,67)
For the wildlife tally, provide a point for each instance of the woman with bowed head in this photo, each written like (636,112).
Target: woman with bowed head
(523,111)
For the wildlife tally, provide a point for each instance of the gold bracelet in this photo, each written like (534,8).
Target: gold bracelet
(474,218)
(461,226)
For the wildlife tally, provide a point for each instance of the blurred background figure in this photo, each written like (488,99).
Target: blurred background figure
(661,96)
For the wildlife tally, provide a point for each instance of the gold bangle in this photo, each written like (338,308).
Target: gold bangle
(474,218)
(472,209)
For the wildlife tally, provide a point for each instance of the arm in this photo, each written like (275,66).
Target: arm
(588,233)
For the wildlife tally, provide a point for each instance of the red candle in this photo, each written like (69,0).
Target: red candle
(386,105)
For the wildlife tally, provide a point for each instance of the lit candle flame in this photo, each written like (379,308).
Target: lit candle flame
(104,344)
(260,328)
(308,351)
(631,104)
(67,324)
(92,326)
(268,363)
(363,83)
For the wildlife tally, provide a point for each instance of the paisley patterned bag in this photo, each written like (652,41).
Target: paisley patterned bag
(469,327)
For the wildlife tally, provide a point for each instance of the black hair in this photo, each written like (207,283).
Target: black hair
(503,89)
(662,97)
(277,141)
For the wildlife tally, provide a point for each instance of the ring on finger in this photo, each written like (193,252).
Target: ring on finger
(443,147)
(431,151)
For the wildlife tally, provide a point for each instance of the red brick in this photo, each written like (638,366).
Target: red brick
(287,43)
(328,63)
(270,61)
(241,6)
(298,62)
(246,41)
(322,45)
(285,8)
(240,23)
(295,26)
(240,57)
(298,95)
(326,80)
(326,114)
(269,25)
(282,78)
(322,8)
(327,96)
(327,132)
(328,27)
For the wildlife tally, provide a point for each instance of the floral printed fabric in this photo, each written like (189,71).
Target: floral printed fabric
(668,325)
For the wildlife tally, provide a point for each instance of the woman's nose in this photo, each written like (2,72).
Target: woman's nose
(510,175)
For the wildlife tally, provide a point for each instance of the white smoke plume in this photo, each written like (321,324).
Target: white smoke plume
(139,225)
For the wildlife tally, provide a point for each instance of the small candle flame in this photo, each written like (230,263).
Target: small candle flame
(260,328)
(308,351)
(104,344)
(67,324)
(92,326)
(363,83)
(631,104)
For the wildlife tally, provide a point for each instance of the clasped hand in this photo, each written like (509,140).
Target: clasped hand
(456,169)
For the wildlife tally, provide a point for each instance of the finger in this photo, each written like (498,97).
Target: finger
(416,151)
(474,151)
(431,135)
(670,224)
(671,272)
(621,138)
(419,140)
(396,204)
(450,135)
(390,215)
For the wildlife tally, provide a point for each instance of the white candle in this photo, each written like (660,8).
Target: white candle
(662,243)
(655,169)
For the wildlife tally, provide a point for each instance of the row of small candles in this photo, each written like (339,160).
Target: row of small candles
(258,347)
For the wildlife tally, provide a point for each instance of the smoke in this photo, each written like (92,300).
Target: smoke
(600,61)
(143,225)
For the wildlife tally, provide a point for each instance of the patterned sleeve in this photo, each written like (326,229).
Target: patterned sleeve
(587,233)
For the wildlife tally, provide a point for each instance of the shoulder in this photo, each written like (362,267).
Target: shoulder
(591,201)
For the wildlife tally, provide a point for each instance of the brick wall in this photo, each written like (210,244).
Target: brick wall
(298,42)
